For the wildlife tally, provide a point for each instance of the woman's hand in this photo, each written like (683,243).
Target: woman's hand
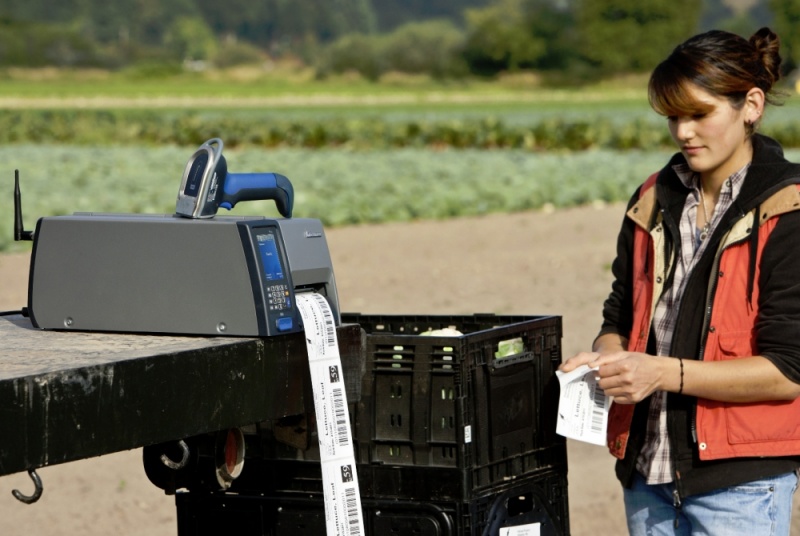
(603,344)
(630,377)
(583,358)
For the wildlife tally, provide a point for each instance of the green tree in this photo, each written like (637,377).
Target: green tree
(743,18)
(521,34)
(554,23)
(431,47)
(787,19)
(241,18)
(620,36)
(106,22)
(38,44)
(392,14)
(278,24)
(40,10)
(152,18)
(190,38)
(498,38)
(353,52)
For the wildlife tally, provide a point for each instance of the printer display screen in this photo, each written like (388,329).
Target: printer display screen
(273,271)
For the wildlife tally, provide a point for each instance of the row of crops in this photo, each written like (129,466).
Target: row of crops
(254,128)
(93,127)
(338,186)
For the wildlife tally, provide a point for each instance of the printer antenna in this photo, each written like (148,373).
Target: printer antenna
(19,232)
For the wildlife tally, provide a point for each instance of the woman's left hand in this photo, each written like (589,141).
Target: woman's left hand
(630,377)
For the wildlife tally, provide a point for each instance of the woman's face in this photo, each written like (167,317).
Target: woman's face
(714,141)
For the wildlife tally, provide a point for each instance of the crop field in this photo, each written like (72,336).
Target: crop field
(353,156)
(337,186)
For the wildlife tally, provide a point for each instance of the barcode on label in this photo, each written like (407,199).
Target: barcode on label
(327,316)
(351,504)
(598,409)
(341,416)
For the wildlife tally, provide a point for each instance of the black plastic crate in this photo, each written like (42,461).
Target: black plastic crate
(443,430)
(536,499)
(448,401)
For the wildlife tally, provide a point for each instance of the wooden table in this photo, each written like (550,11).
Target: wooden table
(66,396)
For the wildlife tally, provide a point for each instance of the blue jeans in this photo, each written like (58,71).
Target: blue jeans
(763,507)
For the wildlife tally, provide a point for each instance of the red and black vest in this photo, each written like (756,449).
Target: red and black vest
(724,430)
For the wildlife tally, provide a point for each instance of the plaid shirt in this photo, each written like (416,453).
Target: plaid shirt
(655,461)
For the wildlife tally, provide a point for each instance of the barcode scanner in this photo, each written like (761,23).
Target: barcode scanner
(207,185)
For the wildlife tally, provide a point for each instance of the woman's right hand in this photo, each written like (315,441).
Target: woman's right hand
(583,358)
(603,344)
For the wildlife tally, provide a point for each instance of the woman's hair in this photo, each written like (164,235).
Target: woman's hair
(721,63)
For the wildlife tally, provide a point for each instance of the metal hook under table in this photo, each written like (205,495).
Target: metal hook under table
(184,457)
(30,499)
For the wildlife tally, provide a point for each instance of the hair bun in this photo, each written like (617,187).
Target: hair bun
(767,46)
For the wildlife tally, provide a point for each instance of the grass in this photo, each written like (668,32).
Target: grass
(295,87)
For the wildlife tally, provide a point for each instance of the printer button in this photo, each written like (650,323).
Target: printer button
(284,323)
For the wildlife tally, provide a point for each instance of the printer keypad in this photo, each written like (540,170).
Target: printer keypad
(278,297)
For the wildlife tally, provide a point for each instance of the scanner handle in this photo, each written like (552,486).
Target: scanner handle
(257,186)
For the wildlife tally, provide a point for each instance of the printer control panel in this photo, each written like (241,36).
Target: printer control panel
(275,280)
(278,297)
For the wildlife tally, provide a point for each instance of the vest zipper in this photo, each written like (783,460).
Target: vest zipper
(676,503)
(712,289)
(671,267)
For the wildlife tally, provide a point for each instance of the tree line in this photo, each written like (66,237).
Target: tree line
(564,40)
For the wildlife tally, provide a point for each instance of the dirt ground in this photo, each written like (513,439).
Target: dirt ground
(535,263)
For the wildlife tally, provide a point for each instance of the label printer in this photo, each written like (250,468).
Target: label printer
(185,273)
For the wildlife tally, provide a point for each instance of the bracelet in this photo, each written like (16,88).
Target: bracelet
(680,360)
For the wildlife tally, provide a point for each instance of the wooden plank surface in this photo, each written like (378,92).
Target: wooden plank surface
(25,350)
(67,396)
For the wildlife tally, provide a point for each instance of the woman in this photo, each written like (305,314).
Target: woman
(700,343)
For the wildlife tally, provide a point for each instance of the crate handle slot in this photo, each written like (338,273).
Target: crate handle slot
(512,360)
(509,347)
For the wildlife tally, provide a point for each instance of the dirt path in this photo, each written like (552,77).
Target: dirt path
(532,263)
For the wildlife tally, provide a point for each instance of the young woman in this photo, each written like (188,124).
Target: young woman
(700,343)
